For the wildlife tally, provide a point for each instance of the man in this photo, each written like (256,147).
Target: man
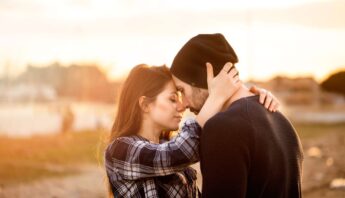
(246,151)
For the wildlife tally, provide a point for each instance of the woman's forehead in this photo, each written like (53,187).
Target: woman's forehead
(171,86)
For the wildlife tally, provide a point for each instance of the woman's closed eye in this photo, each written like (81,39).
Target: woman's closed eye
(173,98)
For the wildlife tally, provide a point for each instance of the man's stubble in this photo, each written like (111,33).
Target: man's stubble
(199,97)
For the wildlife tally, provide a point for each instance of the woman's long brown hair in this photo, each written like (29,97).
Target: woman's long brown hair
(143,80)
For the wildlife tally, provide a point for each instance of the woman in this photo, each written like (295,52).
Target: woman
(138,162)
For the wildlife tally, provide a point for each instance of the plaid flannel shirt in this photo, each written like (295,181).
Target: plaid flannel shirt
(137,168)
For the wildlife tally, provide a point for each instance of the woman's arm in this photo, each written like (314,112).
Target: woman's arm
(135,159)
(220,88)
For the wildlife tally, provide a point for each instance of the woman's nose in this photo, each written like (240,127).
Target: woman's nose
(180,106)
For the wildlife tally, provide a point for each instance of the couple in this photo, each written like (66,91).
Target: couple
(245,149)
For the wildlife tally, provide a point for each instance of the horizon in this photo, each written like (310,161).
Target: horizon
(123,77)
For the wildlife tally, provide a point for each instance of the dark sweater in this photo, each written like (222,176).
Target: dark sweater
(247,151)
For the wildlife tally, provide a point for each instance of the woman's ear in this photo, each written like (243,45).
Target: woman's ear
(143,104)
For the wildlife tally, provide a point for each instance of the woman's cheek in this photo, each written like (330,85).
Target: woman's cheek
(167,110)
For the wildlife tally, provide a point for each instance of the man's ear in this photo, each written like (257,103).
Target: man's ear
(143,104)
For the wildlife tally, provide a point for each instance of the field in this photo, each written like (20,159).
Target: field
(41,156)
(73,163)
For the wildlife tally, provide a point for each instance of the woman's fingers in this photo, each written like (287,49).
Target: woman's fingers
(275,104)
(236,79)
(268,100)
(209,70)
(272,106)
(227,67)
(233,72)
(255,90)
(263,95)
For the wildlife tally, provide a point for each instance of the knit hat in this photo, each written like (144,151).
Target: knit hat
(189,64)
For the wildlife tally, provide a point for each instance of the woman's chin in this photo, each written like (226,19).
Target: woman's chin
(172,128)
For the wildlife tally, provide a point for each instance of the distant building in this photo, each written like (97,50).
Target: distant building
(79,82)
(301,91)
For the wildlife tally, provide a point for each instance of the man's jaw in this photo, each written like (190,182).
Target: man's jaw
(196,112)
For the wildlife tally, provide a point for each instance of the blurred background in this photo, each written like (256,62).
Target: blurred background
(62,64)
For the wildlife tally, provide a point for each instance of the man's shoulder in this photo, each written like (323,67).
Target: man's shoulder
(225,127)
(228,122)
(222,118)
(235,118)
(233,115)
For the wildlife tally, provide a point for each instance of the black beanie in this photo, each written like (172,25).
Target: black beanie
(189,64)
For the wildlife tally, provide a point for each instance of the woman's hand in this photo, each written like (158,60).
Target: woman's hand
(220,89)
(266,98)
(225,84)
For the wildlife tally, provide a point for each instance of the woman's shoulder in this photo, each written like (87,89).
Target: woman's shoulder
(122,145)
(128,139)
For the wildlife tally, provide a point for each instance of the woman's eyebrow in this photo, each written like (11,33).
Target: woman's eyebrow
(179,88)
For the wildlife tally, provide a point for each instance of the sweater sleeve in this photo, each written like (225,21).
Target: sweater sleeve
(225,157)
(133,159)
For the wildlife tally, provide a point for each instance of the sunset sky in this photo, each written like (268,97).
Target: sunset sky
(280,37)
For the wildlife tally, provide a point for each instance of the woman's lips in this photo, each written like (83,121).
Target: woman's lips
(178,117)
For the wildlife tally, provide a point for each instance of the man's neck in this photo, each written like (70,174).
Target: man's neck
(242,92)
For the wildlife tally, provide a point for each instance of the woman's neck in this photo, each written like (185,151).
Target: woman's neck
(150,131)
